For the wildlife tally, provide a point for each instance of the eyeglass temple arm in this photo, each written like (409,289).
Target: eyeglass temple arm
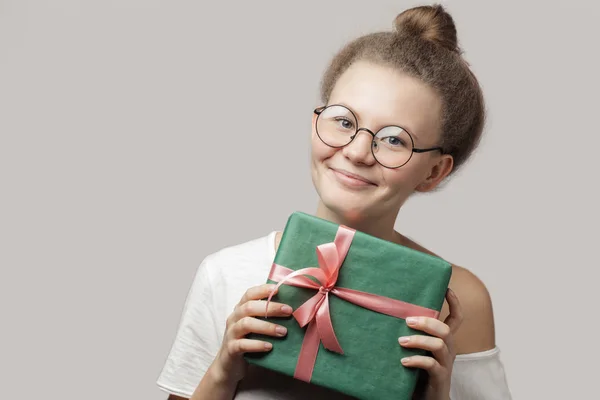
(426,150)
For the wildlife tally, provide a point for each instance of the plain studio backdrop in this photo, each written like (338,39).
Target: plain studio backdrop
(139,136)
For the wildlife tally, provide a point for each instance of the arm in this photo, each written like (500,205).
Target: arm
(477,330)
(228,366)
(478,372)
(211,387)
(214,386)
(467,327)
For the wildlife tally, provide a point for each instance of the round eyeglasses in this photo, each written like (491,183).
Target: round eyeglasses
(392,146)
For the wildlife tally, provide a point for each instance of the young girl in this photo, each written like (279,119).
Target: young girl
(401,112)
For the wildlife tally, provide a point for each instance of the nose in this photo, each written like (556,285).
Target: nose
(359,149)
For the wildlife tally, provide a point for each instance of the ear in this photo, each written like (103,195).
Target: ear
(440,170)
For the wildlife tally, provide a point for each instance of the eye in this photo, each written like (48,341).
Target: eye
(345,123)
(394,138)
(394,141)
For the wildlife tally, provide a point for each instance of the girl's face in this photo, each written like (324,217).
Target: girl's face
(379,96)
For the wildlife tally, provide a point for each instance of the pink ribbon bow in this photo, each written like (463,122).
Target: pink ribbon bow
(315,311)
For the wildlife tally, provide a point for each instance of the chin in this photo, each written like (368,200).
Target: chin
(350,214)
(347,204)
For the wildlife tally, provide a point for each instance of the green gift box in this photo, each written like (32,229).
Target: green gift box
(369,366)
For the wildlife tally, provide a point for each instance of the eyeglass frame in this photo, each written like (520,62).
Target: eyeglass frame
(319,110)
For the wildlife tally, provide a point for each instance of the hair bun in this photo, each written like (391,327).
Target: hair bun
(430,23)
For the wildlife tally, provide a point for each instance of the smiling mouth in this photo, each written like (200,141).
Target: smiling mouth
(350,179)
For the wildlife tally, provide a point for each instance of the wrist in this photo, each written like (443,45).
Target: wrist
(214,386)
(220,377)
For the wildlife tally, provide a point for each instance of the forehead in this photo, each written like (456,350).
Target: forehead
(381,95)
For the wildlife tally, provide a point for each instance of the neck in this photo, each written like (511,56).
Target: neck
(381,227)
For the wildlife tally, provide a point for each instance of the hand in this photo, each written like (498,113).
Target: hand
(441,345)
(229,363)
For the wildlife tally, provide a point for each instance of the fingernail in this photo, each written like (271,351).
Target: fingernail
(268,346)
(405,360)
(286,309)
(281,330)
(411,320)
(451,292)
(404,339)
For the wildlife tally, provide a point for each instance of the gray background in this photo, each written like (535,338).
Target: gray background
(138,136)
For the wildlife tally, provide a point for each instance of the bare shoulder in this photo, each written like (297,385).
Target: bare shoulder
(477,331)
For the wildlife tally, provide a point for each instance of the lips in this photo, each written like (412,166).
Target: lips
(353,176)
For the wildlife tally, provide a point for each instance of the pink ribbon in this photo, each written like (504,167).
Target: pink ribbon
(315,311)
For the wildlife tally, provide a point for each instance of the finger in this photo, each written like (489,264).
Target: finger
(248,346)
(248,325)
(437,346)
(257,292)
(256,308)
(454,319)
(432,326)
(429,364)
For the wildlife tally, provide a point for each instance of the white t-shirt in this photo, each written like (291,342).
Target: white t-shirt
(221,280)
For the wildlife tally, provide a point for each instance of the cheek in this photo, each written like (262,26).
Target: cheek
(319,150)
(402,179)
